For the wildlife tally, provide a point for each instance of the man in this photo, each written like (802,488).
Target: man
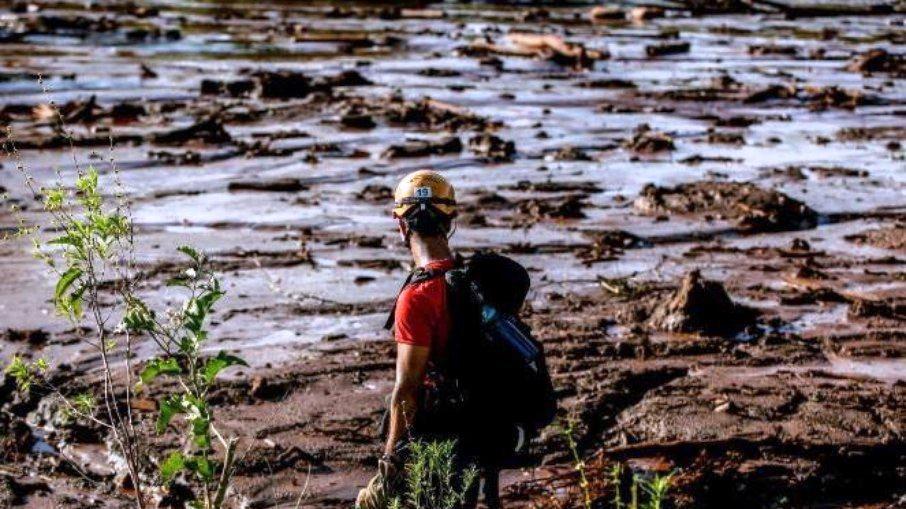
(425,206)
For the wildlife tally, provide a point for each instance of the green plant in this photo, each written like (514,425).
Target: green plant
(569,431)
(179,340)
(655,487)
(25,373)
(92,259)
(616,479)
(434,478)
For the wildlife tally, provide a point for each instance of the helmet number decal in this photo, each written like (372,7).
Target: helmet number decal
(423,192)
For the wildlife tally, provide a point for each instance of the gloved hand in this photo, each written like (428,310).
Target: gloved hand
(381,488)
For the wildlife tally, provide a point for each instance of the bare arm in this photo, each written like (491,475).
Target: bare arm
(411,363)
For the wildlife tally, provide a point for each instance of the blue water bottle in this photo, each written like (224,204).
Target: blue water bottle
(502,328)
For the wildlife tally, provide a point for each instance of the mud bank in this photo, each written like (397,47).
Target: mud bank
(709,197)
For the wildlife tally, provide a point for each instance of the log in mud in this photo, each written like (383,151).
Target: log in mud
(709,196)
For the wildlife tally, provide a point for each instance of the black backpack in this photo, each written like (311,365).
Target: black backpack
(487,396)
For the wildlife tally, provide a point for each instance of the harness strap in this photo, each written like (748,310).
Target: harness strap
(419,275)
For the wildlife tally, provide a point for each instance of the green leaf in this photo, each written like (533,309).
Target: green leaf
(66,240)
(85,403)
(201,432)
(156,367)
(201,466)
(168,408)
(138,317)
(53,199)
(190,252)
(207,300)
(66,280)
(178,281)
(198,309)
(215,365)
(172,465)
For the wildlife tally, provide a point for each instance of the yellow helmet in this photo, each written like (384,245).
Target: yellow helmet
(424,187)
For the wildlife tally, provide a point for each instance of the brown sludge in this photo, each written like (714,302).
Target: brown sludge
(708,196)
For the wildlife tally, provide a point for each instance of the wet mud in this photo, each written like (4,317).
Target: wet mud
(708,195)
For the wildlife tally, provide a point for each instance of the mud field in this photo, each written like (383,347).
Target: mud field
(710,200)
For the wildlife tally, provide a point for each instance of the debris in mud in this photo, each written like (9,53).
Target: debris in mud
(568,153)
(697,159)
(282,84)
(16,438)
(834,97)
(794,10)
(701,306)
(281,185)
(606,13)
(293,84)
(895,132)
(566,208)
(187,157)
(753,438)
(667,48)
(546,47)
(14,492)
(376,193)
(752,208)
(426,113)
(492,147)
(78,111)
(127,111)
(387,13)
(646,140)
(738,121)
(373,264)
(837,171)
(34,337)
(208,130)
(608,245)
(556,187)
(893,308)
(147,72)
(233,88)
(700,7)
(434,72)
(772,49)
(277,458)
(725,137)
(356,117)
(645,12)
(88,111)
(771,92)
(261,148)
(347,78)
(878,60)
(487,200)
(265,389)
(607,83)
(892,237)
(424,148)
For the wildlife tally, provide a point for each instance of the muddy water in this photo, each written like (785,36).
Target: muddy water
(843,162)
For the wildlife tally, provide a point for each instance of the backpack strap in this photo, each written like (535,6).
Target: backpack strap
(419,275)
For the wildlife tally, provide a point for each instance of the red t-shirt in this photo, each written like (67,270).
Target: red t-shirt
(421,316)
